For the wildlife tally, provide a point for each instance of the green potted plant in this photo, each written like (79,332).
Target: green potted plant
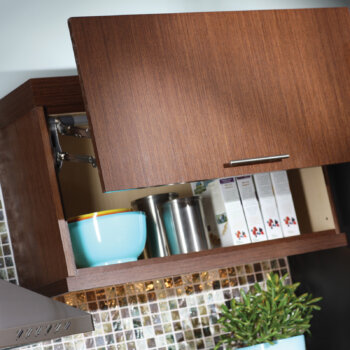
(275,318)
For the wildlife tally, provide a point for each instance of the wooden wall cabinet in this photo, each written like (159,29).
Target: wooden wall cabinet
(173,98)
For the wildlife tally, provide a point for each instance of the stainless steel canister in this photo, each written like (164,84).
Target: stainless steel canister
(156,244)
(183,220)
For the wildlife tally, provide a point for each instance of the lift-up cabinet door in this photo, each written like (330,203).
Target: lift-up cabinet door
(175,97)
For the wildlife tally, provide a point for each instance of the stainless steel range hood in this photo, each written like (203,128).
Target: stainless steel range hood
(27,317)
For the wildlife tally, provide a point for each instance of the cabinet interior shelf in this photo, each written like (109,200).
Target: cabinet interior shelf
(95,277)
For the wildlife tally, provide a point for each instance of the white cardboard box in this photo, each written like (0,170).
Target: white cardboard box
(268,205)
(230,221)
(251,208)
(285,203)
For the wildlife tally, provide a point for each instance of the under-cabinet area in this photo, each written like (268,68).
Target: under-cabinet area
(41,239)
(81,194)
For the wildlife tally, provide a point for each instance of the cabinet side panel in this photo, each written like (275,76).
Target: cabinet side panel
(39,232)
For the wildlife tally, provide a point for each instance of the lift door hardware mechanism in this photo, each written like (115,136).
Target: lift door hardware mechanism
(68,126)
(72,126)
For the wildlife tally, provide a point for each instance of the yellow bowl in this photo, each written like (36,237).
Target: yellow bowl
(98,213)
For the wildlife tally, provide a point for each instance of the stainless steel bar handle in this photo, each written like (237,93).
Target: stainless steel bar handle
(258,160)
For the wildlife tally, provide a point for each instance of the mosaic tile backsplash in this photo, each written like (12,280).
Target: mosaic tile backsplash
(174,313)
(7,263)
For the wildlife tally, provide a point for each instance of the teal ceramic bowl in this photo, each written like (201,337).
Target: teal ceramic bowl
(108,239)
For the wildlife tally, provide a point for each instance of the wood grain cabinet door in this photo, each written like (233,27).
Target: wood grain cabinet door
(174,97)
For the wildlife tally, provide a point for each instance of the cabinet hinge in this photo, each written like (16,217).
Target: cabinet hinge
(68,126)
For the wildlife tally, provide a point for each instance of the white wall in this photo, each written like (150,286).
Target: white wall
(34,37)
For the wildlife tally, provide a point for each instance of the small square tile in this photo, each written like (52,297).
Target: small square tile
(175,315)
(110,292)
(266,265)
(240,270)
(163,306)
(251,279)
(151,343)
(274,264)
(135,311)
(127,324)
(168,282)
(170,293)
(205,276)
(146,321)
(177,326)
(282,262)
(195,322)
(179,337)
(259,277)
(156,319)
(159,284)
(202,310)
(149,286)
(7,250)
(92,306)
(132,299)
(167,328)
(182,302)
(242,280)
(189,290)
(2,227)
(161,295)
(138,333)
(122,302)
(198,288)
(233,282)
(120,291)
(115,315)
(231,271)
(125,313)
(117,326)
(227,294)
(189,335)
(100,294)
(225,283)
(257,267)
(180,291)
(5,239)
(197,333)
(166,317)
(178,281)
(119,337)
(158,330)
(223,273)
(216,285)
(137,322)
(151,296)
(249,268)
(154,308)
(196,278)
(103,305)
(169,339)
(11,273)
(109,339)
(187,279)
(129,288)
(142,298)
(205,321)
(140,287)
(193,312)
(112,303)
(131,345)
